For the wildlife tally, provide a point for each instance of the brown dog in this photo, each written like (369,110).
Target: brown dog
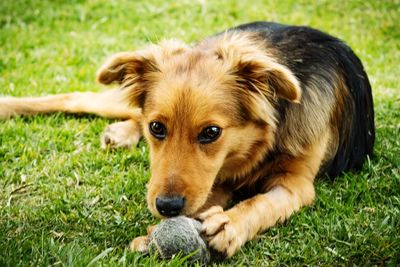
(238,125)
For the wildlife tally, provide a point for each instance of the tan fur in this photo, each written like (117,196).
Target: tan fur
(230,81)
(111,104)
(183,96)
(122,134)
(108,104)
(285,194)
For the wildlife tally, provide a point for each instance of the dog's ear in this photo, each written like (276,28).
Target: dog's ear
(129,70)
(123,66)
(269,78)
(135,71)
(257,71)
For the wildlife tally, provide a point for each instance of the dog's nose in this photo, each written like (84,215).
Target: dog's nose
(170,206)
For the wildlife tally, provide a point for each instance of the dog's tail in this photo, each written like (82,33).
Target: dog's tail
(108,104)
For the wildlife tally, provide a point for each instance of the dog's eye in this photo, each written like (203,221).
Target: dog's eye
(157,129)
(209,134)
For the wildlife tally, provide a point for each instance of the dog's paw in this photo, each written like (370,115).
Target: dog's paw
(124,134)
(220,231)
(140,244)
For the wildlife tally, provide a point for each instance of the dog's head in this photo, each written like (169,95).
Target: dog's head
(208,113)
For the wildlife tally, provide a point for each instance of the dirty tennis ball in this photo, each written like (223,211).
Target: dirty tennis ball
(179,235)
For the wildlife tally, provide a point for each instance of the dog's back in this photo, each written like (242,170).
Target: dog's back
(330,74)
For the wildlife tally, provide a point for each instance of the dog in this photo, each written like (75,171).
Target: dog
(239,125)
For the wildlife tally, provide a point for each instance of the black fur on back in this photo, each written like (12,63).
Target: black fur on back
(310,53)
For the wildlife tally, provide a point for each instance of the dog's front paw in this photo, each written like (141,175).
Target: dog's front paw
(124,134)
(220,231)
(140,244)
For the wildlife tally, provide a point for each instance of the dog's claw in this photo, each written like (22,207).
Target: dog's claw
(107,140)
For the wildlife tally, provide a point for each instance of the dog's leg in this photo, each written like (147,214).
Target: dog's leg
(228,230)
(290,189)
(108,104)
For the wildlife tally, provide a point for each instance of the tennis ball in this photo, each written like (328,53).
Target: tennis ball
(179,235)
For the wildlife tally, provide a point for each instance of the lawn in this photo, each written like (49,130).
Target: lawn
(66,202)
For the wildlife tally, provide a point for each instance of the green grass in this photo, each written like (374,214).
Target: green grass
(65,202)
